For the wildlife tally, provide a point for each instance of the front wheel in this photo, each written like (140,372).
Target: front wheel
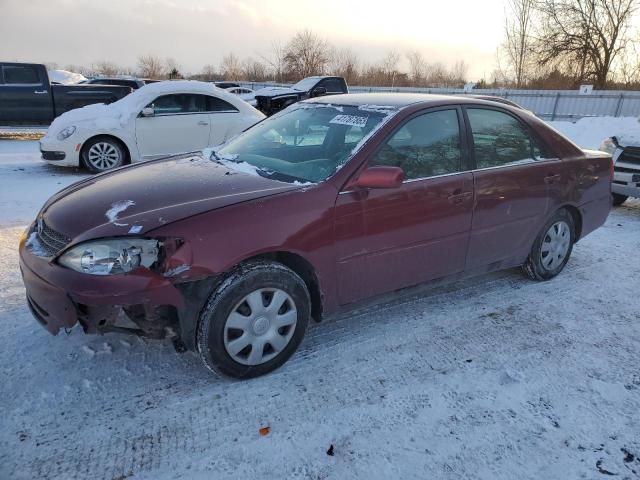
(618,199)
(254,321)
(552,248)
(102,154)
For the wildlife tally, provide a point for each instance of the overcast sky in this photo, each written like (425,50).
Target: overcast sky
(200,32)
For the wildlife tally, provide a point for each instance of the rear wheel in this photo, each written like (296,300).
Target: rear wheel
(102,153)
(552,248)
(254,321)
(618,199)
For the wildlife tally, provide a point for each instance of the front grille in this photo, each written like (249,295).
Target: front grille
(51,242)
(630,155)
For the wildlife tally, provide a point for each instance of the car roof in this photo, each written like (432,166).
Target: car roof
(398,100)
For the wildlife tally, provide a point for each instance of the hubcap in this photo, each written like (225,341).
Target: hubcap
(555,245)
(260,326)
(103,155)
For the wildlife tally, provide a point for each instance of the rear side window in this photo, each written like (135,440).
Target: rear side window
(499,139)
(332,85)
(215,104)
(425,146)
(20,74)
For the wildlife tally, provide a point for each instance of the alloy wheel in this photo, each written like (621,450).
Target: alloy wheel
(103,156)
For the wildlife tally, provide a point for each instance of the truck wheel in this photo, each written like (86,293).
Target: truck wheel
(101,154)
(254,321)
(618,199)
(552,247)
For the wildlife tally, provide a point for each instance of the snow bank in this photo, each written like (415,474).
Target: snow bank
(589,132)
(65,77)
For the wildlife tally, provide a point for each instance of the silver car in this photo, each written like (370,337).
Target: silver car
(626,167)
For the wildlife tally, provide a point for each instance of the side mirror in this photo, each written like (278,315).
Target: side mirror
(379,177)
(148,112)
(318,91)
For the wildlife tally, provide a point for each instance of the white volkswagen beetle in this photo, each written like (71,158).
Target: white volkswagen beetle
(157,120)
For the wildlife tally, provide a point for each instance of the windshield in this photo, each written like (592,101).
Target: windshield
(307,143)
(306,84)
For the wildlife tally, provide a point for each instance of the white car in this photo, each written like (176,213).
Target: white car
(246,94)
(157,120)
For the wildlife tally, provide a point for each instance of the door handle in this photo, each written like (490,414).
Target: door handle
(39,92)
(549,179)
(457,197)
(203,123)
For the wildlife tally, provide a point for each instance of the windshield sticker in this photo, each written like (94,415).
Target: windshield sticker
(352,120)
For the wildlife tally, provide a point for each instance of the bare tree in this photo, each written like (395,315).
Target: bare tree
(254,70)
(275,61)
(150,66)
(104,67)
(306,54)
(344,63)
(208,73)
(584,36)
(417,68)
(230,67)
(458,74)
(172,68)
(629,66)
(518,45)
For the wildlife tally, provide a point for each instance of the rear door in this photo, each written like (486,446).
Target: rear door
(393,238)
(25,96)
(180,123)
(512,180)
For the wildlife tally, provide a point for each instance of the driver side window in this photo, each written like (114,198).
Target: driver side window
(425,146)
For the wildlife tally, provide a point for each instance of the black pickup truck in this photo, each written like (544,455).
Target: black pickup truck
(270,100)
(28,98)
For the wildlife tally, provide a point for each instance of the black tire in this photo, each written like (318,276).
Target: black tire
(248,278)
(535,267)
(618,199)
(94,167)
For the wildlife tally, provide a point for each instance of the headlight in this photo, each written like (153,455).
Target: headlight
(66,133)
(112,256)
(609,145)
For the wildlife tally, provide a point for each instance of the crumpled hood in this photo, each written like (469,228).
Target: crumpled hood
(136,199)
(276,91)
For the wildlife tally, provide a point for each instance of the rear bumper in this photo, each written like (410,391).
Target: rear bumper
(594,214)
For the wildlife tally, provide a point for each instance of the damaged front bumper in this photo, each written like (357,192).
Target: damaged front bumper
(142,302)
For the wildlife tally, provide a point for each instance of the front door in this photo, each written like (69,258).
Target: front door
(180,123)
(511,185)
(395,238)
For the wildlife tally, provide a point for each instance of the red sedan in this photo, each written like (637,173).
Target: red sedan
(332,201)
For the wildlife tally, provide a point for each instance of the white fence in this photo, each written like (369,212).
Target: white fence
(546,104)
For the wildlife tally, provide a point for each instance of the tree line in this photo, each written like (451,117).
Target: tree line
(552,44)
(566,43)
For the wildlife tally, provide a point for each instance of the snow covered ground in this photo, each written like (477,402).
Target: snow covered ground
(497,377)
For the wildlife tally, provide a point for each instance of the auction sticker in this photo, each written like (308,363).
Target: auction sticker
(352,120)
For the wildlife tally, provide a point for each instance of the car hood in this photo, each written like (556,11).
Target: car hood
(628,140)
(136,199)
(96,115)
(276,91)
